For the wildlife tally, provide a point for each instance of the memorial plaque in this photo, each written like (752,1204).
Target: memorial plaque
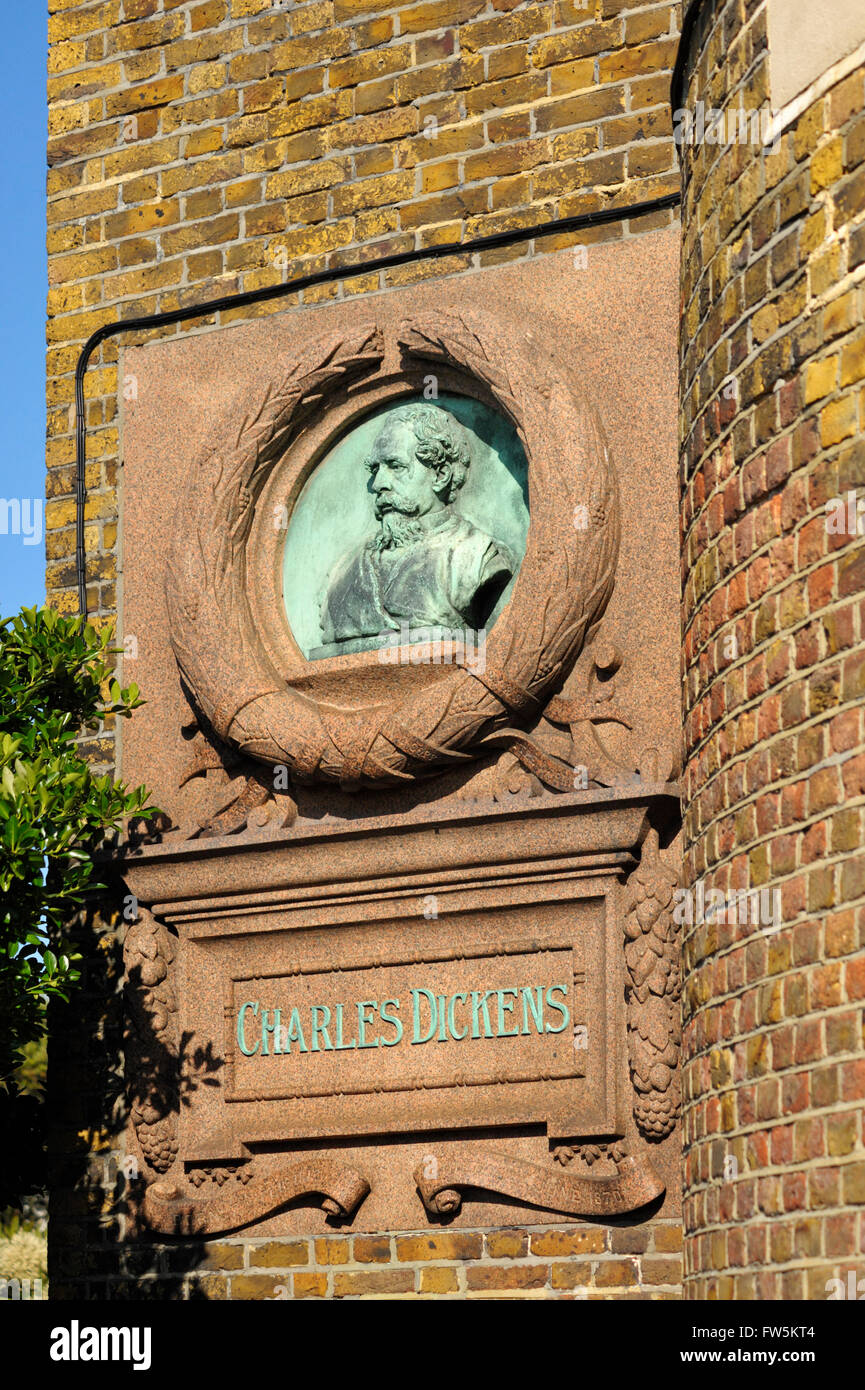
(405,948)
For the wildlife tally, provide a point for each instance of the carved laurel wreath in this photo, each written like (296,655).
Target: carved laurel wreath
(562,589)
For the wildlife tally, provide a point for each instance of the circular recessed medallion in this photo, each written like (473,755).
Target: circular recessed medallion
(351,520)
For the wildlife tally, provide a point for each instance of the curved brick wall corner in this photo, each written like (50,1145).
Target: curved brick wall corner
(773,408)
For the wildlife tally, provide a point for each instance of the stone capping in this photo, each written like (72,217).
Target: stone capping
(790,112)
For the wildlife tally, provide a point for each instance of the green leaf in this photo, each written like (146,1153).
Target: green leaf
(55,679)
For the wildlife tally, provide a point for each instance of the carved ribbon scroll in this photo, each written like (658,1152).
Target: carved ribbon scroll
(172,1210)
(632,1186)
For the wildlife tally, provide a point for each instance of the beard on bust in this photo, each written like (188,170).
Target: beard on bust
(398,523)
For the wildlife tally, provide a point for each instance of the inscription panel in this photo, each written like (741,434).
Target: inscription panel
(486,1020)
(486,1017)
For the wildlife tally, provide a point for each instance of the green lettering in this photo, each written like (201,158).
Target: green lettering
(477,1004)
(320,1027)
(340,1045)
(451,1022)
(560,1008)
(389,1018)
(431,999)
(504,1032)
(537,1008)
(269,1027)
(442,1037)
(363,1021)
(241,1030)
(295,1032)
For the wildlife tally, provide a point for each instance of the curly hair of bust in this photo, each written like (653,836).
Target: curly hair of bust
(441,441)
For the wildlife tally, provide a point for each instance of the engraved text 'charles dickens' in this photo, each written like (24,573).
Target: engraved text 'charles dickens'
(499,1018)
(480,1013)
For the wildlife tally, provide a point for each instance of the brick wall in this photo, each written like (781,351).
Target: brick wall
(197,149)
(586,1262)
(773,409)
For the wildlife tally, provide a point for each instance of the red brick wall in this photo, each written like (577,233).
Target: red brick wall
(773,410)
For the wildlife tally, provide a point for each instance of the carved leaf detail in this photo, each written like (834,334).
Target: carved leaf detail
(653,991)
(533,646)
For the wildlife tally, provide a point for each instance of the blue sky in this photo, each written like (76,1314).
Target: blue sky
(22,263)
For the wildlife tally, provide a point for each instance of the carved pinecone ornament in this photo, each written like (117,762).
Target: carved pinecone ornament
(653,991)
(157,1138)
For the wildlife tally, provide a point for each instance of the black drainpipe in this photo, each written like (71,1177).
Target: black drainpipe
(689,24)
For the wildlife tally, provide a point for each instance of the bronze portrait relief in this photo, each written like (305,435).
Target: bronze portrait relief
(425,564)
